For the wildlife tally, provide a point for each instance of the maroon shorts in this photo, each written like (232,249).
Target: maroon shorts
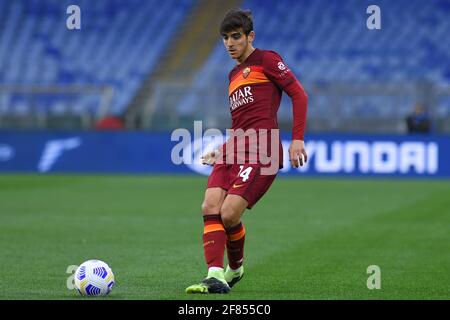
(244,180)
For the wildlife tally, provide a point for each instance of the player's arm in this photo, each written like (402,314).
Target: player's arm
(283,77)
(297,150)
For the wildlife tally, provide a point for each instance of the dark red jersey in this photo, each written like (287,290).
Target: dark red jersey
(255,92)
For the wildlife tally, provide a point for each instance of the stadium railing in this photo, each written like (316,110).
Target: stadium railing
(343,107)
(53,106)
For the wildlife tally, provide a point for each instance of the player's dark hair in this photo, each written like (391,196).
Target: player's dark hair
(235,19)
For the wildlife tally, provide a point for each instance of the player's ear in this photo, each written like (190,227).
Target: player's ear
(251,36)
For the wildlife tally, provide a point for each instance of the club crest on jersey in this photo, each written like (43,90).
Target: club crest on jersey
(246,72)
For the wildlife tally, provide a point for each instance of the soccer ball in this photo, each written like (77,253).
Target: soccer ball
(94,278)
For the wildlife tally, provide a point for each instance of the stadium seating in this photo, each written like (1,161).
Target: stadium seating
(324,42)
(327,42)
(119,44)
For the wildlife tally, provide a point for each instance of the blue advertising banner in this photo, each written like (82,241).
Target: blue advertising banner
(166,153)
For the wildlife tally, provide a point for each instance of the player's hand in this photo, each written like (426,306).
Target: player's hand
(297,153)
(211,157)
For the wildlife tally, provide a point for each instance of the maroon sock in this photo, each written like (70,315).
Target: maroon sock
(214,240)
(235,245)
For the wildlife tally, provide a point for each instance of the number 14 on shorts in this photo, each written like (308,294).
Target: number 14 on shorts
(244,174)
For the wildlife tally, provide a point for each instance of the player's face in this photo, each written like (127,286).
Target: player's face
(237,43)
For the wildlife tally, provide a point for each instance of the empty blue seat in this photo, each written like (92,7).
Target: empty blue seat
(116,38)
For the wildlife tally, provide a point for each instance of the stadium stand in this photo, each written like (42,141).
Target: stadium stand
(110,50)
(328,43)
(100,68)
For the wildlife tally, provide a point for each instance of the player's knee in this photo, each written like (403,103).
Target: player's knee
(210,207)
(229,216)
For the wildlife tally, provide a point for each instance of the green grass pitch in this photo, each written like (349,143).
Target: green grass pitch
(306,239)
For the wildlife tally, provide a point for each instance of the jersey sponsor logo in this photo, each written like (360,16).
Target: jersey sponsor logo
(241,97)
(281,66)
(246,72)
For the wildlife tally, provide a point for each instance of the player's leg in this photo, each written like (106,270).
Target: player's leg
(245,192)
(237,200)
(214,241)
(214,236)
(231,212)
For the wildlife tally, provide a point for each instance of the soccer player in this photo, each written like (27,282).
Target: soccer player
(255,88)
